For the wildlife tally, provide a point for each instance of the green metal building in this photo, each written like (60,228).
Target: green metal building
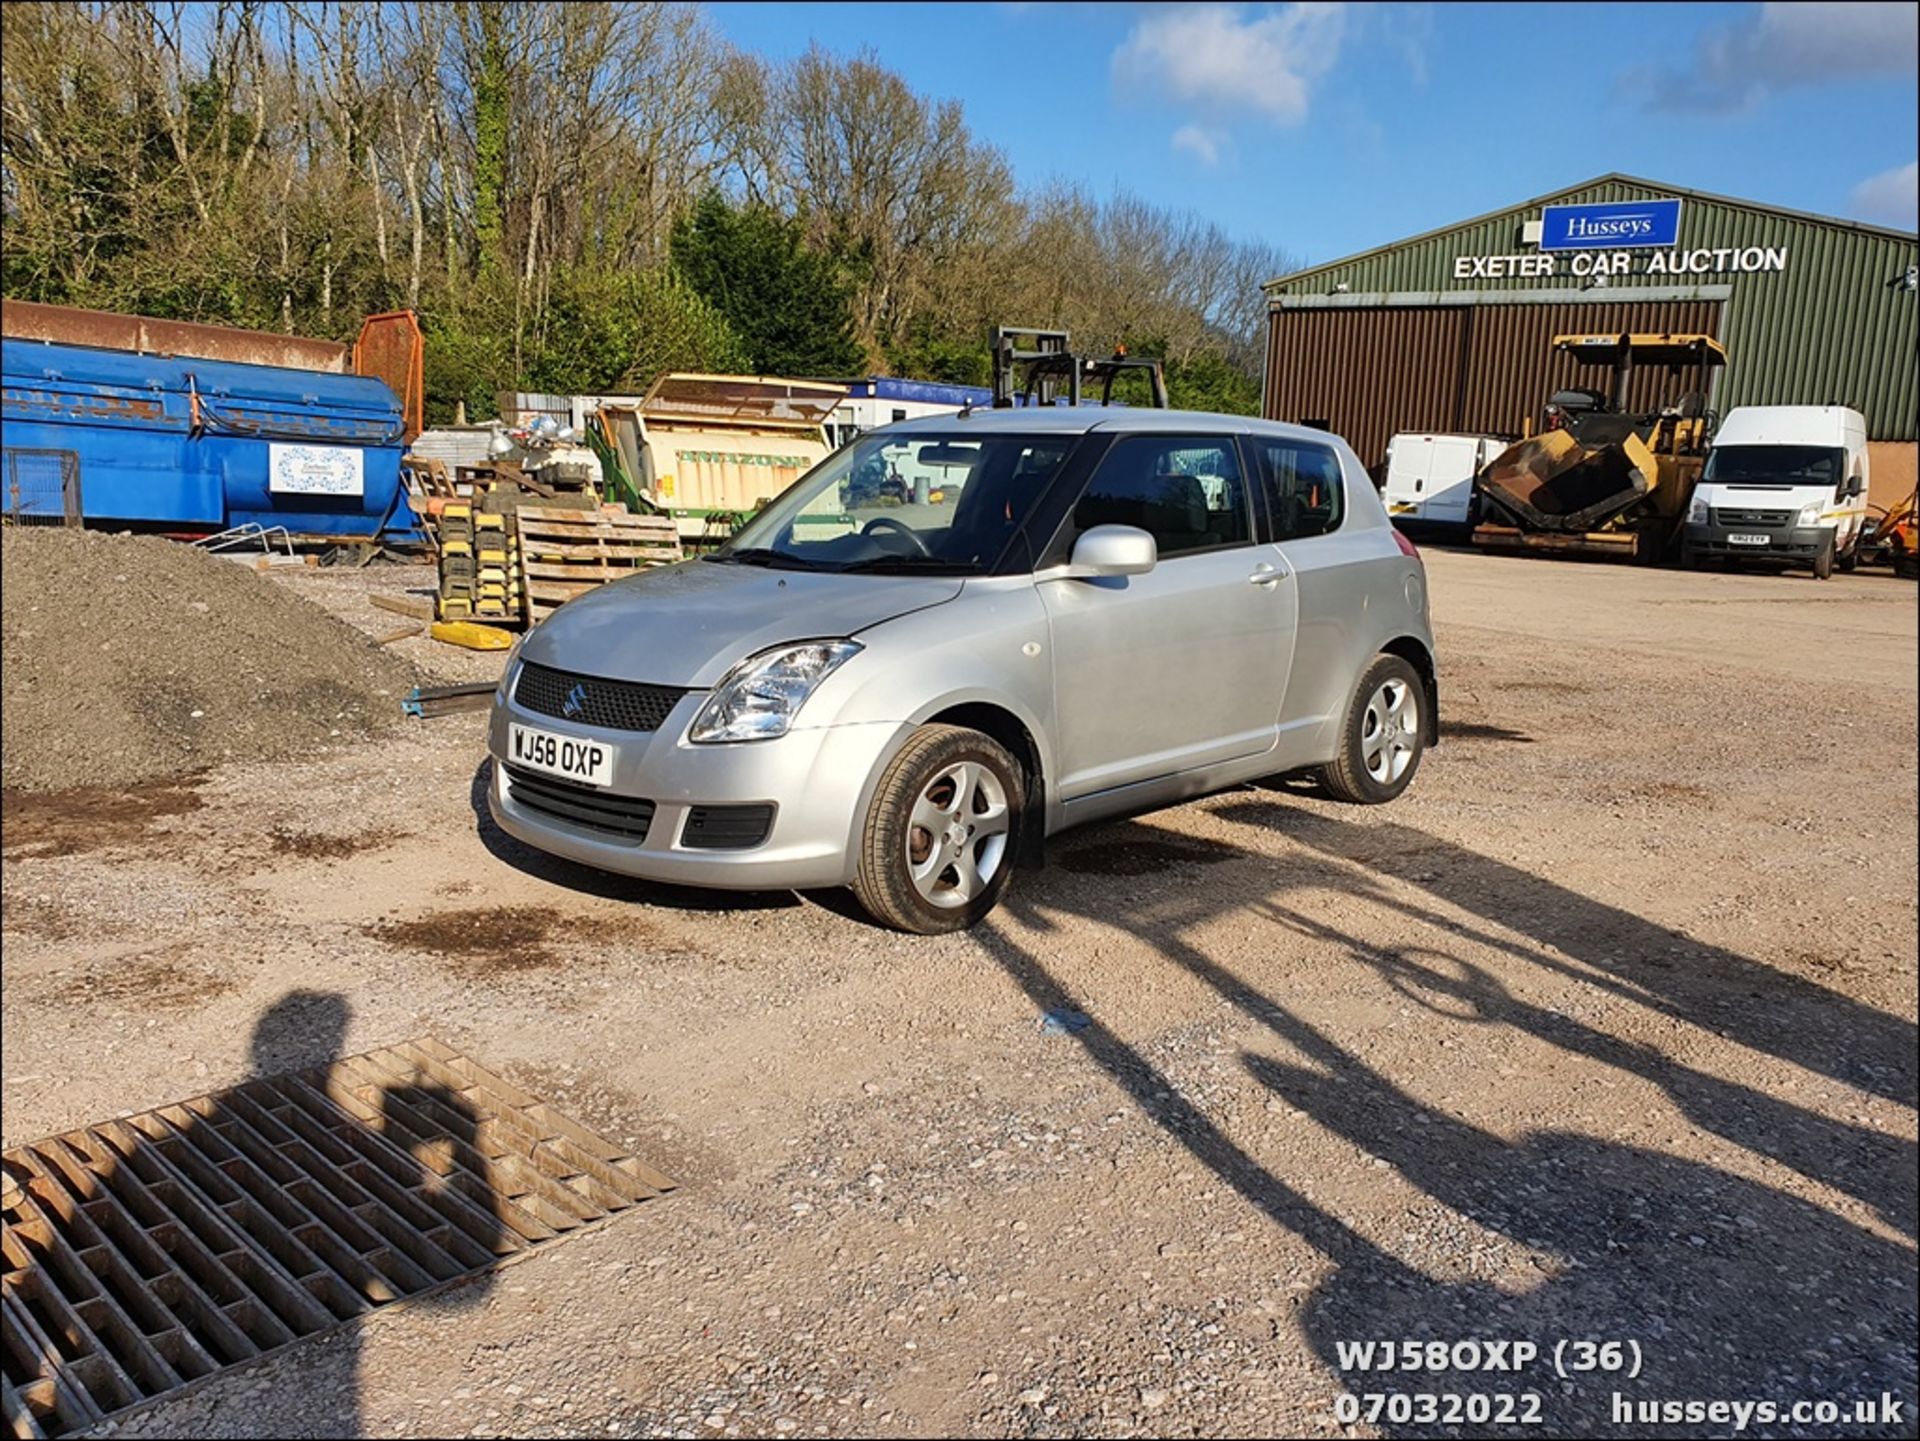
(1452,330)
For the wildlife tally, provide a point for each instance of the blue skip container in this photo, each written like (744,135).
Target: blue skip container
(198,446)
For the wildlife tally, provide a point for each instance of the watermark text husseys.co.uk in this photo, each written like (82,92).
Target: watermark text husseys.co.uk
(1886,1409)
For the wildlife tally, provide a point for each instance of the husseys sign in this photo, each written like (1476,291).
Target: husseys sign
(1613,226)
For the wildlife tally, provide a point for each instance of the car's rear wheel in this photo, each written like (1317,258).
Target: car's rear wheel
(938,847)
(1385,735)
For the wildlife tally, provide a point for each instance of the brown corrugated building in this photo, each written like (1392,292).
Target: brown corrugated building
(1452,330)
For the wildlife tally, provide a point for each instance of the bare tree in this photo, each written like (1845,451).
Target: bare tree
(293,163)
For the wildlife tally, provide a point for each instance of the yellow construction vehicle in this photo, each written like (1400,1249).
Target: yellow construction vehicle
(1598,479)
(1893,536)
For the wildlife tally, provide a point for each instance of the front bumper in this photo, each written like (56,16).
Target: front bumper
(818,782)
(1798,543)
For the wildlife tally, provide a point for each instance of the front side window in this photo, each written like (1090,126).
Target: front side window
(1303,487)
(1184,491)
(948,503)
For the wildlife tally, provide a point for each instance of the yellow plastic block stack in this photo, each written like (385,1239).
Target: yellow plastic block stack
(458,583)
(497,554)
(490,560)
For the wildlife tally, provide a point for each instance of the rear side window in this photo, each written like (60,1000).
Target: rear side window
(1305,494)
(1185,491)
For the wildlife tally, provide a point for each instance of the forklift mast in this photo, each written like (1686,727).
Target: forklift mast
(1031,364)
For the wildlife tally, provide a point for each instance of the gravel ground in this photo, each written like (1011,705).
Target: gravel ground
(1605,1030)
(345,591)
(130,658)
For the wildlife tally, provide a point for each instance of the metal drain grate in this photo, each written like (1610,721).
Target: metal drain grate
(146,1253)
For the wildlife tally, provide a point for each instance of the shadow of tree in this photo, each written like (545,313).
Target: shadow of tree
(1718,990)
(1734,1288)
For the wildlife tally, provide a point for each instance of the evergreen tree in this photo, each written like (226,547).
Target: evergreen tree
(787,304)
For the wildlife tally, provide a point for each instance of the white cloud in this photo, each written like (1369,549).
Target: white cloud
(1407,30)
(1890,198)
(1228,59)
(1783,47)
(1203,142)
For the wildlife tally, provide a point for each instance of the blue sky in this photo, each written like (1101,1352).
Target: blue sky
(1327,128)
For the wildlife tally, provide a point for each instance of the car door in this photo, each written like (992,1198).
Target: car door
(1340,571)
(1450,478)
(1183,666)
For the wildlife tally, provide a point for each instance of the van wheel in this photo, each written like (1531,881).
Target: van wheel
(1689,558)
(1850,560)
(1385,735)
(1823,562)
(938,848)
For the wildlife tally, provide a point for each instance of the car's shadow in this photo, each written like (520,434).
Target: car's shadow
(1110,847)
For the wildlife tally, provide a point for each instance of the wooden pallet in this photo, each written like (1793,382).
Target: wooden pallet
(565,553)
(426,477)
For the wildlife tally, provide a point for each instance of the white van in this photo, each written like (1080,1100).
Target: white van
(1430,477)
(1783,483)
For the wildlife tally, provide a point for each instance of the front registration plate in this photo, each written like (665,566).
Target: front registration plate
(569,757)
(1746,539)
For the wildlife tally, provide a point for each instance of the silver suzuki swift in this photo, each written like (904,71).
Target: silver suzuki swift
(957,636)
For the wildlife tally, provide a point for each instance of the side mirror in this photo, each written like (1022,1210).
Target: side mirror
(1854,486)
(1108,550)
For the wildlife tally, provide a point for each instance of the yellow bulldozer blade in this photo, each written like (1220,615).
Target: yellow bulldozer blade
(1620,544)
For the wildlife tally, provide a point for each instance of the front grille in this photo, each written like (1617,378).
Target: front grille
(726,828)
(625,818)
(1767,519)
(620,705)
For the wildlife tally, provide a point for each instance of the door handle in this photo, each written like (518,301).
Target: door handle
(1266,575)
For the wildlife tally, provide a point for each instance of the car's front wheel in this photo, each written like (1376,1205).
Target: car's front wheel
(1384,738)
(938,847)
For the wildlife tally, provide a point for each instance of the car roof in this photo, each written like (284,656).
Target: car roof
(1108,419)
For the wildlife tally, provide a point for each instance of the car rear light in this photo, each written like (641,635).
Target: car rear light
(1407,547)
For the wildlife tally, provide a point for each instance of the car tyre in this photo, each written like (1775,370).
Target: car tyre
(1384,737)
(942,831)
(1849,560)
(1689,558)
(1823,562)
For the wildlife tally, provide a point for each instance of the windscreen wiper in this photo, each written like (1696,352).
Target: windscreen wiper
(760,555)
(932,564)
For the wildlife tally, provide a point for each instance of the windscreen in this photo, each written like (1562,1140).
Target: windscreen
(1781,465)
(919,502)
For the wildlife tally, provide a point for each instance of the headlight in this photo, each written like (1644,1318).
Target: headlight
(761,696)
(1810,514)
(1700,512)
(510,672)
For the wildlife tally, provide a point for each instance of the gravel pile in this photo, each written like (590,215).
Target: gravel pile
(129,658)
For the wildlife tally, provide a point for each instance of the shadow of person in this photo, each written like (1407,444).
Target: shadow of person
(223,1229)
(384,1178)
